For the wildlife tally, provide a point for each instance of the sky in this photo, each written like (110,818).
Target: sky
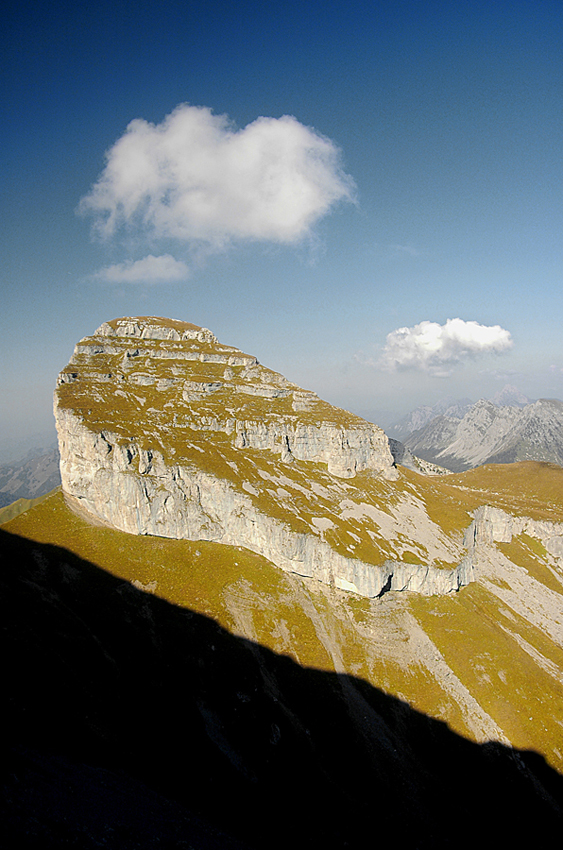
(366,196)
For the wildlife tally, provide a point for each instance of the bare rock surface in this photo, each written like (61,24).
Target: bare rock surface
(165,431)
(493,525)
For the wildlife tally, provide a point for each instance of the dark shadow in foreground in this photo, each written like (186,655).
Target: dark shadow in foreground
(132,723)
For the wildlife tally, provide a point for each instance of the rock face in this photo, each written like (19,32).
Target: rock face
(164,431)
(493,525)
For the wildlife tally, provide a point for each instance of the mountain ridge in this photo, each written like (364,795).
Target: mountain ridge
(30,477)
(488,433)
(163,430)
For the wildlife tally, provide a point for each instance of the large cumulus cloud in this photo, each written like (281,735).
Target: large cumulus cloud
(197,179)
(435,348)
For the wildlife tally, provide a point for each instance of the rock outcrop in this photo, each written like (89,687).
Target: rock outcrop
(493,525)
(404,457)
(165,431)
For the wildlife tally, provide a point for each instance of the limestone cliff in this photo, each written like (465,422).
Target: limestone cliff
(165,431)
(493,525)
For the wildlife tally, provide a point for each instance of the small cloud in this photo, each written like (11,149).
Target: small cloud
(435,348)
(197,179)
(163,269)
(405,249)
(501,374)
(363,360)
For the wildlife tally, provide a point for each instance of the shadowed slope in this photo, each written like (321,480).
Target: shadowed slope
(487,661)
(194,730)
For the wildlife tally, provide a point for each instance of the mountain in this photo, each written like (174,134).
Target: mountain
(177,693)
(451,408)
(15,450)
(210,635)
(164,430)
(537,435)
(33,476)
(510,396)
(420,416)
(404,457)
(491,434)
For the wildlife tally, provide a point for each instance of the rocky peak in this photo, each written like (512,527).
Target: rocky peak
(511,396)
(164,430)
(493,434)
(151,327)
(177,379)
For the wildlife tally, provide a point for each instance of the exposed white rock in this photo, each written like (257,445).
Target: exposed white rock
(493,525)
(180,436)
(151,327)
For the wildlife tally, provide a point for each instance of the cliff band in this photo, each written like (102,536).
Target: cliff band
(165,431)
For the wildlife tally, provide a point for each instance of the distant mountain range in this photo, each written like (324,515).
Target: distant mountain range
(32,476)
(421,416)
(459,435)
(452,408)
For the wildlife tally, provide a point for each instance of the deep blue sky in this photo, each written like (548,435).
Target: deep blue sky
(449,119)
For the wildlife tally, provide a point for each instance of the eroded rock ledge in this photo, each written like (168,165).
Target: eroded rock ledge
(493,525)
(163,430)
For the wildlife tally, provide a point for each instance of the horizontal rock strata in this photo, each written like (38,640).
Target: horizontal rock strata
(164,431)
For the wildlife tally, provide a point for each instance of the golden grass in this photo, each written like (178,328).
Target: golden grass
(474,636)
(21,505)
(528,488)
(529,553)
(327,629)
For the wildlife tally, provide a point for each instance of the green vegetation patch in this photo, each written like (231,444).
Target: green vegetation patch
(474,636)
(21,505)
(529,553)
(526,488)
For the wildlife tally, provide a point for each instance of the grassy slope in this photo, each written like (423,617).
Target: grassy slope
(434,653)
(407,646)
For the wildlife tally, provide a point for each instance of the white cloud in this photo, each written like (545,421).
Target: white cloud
(196,178)
(163,269)
(435,348)
(405,249)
